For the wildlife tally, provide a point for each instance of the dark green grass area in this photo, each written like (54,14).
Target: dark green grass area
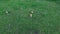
(45,20)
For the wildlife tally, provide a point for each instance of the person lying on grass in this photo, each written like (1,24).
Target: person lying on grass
(31,13)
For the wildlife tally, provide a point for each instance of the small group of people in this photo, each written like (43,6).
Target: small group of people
(30,14)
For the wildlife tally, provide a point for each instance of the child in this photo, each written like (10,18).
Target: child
(7,12)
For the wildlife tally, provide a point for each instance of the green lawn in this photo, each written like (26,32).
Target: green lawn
(45,20)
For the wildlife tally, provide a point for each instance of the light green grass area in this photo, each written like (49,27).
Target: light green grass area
(45,20)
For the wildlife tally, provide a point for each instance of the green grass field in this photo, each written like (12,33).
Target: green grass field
(45,20)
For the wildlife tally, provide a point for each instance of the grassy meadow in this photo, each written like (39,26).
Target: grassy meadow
(45,19)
